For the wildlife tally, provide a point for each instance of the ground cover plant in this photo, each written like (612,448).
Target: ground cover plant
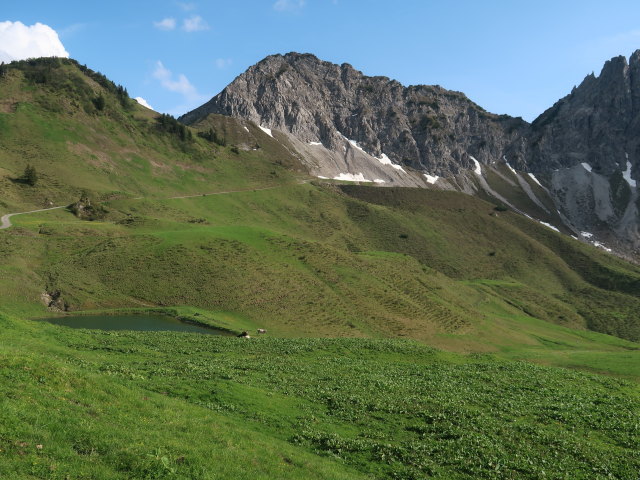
(349,408)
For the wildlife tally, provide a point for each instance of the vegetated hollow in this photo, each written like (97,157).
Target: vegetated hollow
(146,323)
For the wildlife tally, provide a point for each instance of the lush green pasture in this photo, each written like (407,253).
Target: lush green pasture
(88,404)
(305,260)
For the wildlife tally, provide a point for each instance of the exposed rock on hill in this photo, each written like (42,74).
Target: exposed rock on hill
(426,128)
(585,149)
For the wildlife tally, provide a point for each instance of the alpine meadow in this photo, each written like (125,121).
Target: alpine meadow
(412,328)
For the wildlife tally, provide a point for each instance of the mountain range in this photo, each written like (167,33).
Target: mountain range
(574,167)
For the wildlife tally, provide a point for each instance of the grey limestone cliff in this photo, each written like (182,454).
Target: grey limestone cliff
(427,128)
(585,148)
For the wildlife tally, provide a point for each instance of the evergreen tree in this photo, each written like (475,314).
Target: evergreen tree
(30,176)
(99,102)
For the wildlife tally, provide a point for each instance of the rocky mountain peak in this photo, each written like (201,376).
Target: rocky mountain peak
(347,125)
(325,103)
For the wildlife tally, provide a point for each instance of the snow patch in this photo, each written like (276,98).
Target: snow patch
(601,245)
(324,178)
(387,161)
(378,180)
(477,169)
(549,226)
(511,168)
(355,144)
(586,166)
(266,130)
(533,177)
(627,174)
(586,234)
(246,129)
(350,177)
(315,143)
(431,178)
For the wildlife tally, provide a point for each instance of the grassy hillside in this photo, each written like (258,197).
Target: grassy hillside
(81,132)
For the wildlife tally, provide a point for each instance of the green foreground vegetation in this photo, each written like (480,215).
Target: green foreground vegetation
(90,404)
(356,286)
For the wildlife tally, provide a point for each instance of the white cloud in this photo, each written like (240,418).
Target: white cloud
(144,103)
(187,7)
(19,41)
(72,30)
(165,24)
(288,5)
(223,63)
(195,23)
(180,85)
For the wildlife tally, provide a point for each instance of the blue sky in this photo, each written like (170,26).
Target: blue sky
(511,57)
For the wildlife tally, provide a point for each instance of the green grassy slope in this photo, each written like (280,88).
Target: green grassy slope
(307,260)
(49,119)
(80,404)
(300,259)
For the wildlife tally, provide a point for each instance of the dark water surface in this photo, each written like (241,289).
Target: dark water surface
(145,323)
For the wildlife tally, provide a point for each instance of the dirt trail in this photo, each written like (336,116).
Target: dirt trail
(6,223)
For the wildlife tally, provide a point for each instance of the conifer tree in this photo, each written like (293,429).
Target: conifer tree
(30,176)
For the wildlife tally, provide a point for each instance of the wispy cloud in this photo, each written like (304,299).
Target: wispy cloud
(72,30)
(223,63)
(187,7)
(165,24)
(181,85)
(195,23)
(19,41)
(289,5)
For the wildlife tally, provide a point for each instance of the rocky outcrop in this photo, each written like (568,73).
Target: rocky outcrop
(427,128)
(585,149)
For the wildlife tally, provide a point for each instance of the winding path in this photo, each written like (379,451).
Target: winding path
(6,223)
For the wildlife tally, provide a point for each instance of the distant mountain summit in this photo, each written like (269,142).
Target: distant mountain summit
(584,151)
(423,127)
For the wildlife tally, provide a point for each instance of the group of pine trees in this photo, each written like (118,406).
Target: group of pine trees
(212,136)
(167,123)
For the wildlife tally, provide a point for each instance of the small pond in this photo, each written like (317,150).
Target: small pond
(145,323)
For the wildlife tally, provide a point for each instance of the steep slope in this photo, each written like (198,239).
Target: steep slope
(348,126)
(387,262)
(319,102)
(588,144)
(216,225)
(81,132)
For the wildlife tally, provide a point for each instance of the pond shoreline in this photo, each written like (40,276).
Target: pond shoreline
(134,320)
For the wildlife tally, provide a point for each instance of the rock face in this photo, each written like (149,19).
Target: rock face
(596,127)
(427,128)
(585,149)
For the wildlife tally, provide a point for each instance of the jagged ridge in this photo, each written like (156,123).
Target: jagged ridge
(439,132)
